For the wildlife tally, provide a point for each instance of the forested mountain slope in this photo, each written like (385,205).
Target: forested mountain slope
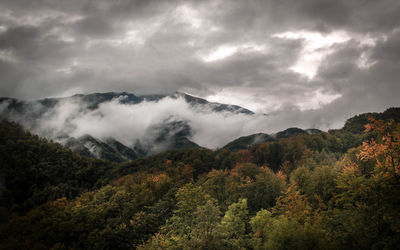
(336,190)
(34,171)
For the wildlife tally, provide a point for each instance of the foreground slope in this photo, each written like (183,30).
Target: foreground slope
(309,191)
(34,171)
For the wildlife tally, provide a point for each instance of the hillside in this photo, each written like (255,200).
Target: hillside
(34,170)
(246,142)
(313,190)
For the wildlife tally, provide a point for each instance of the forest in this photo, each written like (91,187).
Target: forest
(330,190)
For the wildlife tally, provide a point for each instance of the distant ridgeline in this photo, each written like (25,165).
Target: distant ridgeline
(297,189)
(169,134)
(92,101)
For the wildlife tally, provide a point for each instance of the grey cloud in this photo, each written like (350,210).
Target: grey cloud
(22,41)
(362,89)
(340,65)
(94,26)
(62,47)
(355,15)
(10,75)
(389,51)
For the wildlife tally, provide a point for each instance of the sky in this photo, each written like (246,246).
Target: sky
(311,63)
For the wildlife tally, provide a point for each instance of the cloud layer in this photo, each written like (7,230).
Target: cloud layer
(303,63)
(146,121)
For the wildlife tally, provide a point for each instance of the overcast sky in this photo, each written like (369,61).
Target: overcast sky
(316,60)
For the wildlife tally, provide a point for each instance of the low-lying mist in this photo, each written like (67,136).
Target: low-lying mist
(132,123)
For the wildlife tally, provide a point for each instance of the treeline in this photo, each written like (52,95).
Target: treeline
(337,190)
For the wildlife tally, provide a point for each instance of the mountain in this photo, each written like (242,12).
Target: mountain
(166,135)
(126,152)
(215,106)
(327,190)
(109,149)
(55,119)
(92,101)
(245,142)
(289,133)
(356,123)
(34,170)
(124,126)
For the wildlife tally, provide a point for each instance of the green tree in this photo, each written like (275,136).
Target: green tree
(204,232)
(277,233)
(234,225)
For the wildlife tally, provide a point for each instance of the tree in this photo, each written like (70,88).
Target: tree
(366,210)
(204,232)
(234,225)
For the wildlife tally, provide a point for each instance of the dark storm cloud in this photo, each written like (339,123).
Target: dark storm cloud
(50,48)
(371,89)
(339,66)
(325,15)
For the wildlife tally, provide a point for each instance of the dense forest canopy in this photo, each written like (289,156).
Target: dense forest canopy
(324,190)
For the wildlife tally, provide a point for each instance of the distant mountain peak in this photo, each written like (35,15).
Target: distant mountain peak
(55,119)
(214,106)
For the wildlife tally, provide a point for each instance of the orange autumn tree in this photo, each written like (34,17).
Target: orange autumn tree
(385,152)
(367,209)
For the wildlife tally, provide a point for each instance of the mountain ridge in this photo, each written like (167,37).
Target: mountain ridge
(95,99)
(169,132)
